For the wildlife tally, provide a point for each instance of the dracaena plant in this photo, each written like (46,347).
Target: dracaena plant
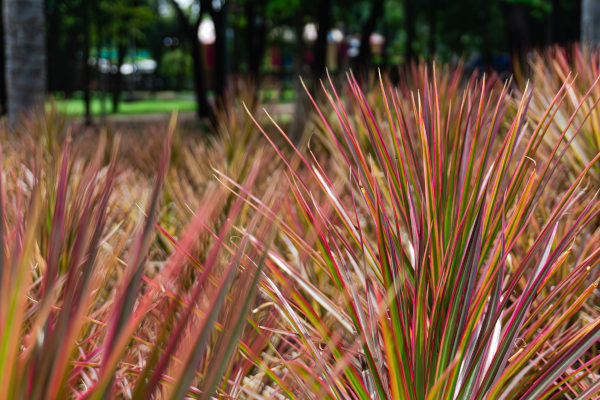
(431,255)
(82,312)
(578,69)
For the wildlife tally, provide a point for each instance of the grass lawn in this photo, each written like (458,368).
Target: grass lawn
(183,101)
(76,106)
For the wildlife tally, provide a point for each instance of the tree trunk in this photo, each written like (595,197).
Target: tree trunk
(102,77)
(409,22)
(86,65)
(53,30)
(250,15)
(118,78)
(25,53)
(203,108)
(324,20)
(219,18)
(301,103)
(366,31)
(256,33)
(433,8)
(2,69)
(590,23)
(519,40)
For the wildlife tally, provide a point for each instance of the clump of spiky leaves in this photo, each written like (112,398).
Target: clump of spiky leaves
(578,70)
(232,150)
(430,269)
(82,313)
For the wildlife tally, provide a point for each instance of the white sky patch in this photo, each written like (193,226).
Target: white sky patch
(206,31)
(184,3)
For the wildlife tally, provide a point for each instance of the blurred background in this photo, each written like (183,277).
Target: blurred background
(98,58)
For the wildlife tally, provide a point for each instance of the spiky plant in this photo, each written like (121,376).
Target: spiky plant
(231,149)
(578,69)
(441,262)
(86,311)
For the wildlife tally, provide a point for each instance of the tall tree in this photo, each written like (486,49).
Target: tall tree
(324,19)
(2,69)
(367,30)
(432,22)
(86,12)
(256,35)
(218,14)
(590,22)
(64,38)
(409,23)
(294,13)
(301,105)
(25,52)
(125,21)
(190,32)
(216,9)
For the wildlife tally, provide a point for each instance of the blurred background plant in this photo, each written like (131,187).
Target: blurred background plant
(578,72)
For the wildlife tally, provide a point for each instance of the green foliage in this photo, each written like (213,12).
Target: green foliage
(282,10)
(176,68)
(125,20)
(537,8)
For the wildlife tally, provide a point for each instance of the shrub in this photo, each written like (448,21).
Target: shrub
(83,313)
(440,262)
(578,74)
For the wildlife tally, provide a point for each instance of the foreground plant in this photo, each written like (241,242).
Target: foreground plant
(82,312)
(440,263)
